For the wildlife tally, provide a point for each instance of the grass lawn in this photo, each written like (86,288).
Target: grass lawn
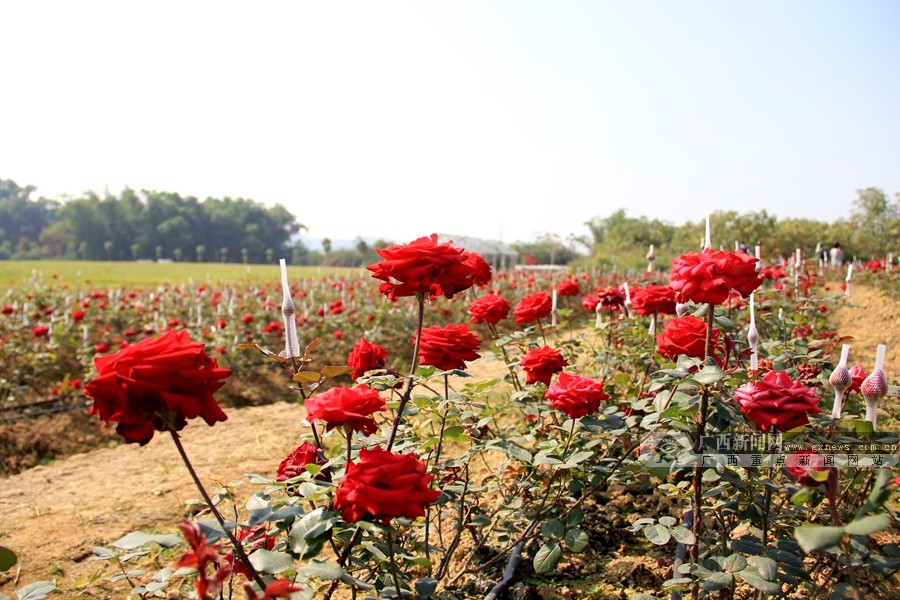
(16,273)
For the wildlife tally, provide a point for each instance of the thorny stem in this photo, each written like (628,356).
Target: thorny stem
(515,378)
(407,393)
(238,548)
(390,545)
(342,560)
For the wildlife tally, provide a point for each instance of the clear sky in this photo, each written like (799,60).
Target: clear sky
(487,118)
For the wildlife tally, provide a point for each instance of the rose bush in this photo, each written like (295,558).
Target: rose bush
(156,385)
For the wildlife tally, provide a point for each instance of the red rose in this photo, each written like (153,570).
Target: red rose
(568,287)
(804,467)
(857,376)
(247,319)
(8,309)
(448,347)
(611,298)
(772,273)
(348,407)
(590,302)
(531,308)
(777,402)
(424,267)
(481,270)
(78,315)
(576,395)
(156,384)
(381,486)
(40,331)
(708,277)
(295,463)
(365,356)
(540,364)
(686,335)
(653,299)
(489,309)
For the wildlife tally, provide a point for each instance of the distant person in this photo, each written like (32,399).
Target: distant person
(743,249)
(837,255)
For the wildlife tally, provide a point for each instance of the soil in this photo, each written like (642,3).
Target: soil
(51,515)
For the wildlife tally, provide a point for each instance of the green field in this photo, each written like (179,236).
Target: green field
(78,274)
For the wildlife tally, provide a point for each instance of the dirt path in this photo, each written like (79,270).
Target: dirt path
(51,515)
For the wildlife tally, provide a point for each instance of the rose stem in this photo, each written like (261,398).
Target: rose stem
(238,548)
(390,545)
(515,378)
(407,393)
(349,433)
(541,328)
(701,431)
(342,560)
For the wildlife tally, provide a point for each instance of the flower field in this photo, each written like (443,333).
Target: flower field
(454,432)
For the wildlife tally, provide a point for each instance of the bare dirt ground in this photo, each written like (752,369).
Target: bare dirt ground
(51,515)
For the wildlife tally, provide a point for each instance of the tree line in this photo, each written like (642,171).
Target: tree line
(149,225)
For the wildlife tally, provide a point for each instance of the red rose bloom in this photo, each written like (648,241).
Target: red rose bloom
(686,335)
(348,407)
(481,270)
(576,395)
(424,267)
(568,287)
(590,302)
(295,463)
(708,277)
(857,376)
(777,402)
(803,464)
(531,308)
(381,486)
(40,331)
(489,309)
(448,347)
(611,298)
(78,315)
(365,356)
(8,309)
(653,299)
(156,385)
(540,364)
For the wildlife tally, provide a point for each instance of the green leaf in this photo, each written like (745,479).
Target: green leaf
(426,587)
(305,534)
(868,525)
(546,558)
(271,562)
(7,559)
(136,539)
(321,570)
(553,529)
(709,374)
(763,585)
(717,581)
(816,537)
(658,534)
(577,540)
(667,521)
(683,535)
(36,591)
(734,563)
(768,568)
(520,454)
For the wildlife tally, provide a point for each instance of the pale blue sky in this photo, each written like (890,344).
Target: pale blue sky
(494,119)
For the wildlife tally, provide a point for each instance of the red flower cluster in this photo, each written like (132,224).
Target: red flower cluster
(381,486)
(426,267)
(576,395)
(708,277)
(653,299)
(569,287)
(489,309)
(777,402)
(156,385)
(540,364)
(686,335)
(346,407)
(365,356)
(448,347)
(533,307)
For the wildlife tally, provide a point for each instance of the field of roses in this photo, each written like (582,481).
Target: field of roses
(760,449)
